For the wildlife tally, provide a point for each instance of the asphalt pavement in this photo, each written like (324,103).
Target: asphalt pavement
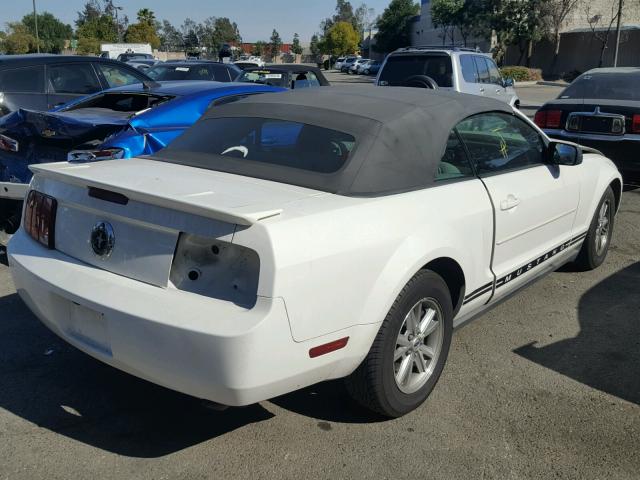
(546,385)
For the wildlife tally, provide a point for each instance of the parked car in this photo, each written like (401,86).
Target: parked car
(355,66)
(194,70)
(142,64)
(249,61)
(127,57)
(362,65)
(287,75)
(461,69)
(338,63)
(601,109)
(372,67)
(346,65)
(118,123)
(41,82)
(113,50)
(289,239)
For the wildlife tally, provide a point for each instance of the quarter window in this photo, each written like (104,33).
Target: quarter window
(499,142)
(22,80)
(117,77)
(454,162)
(483,70)
(494,73)
(469,72)
(76,78)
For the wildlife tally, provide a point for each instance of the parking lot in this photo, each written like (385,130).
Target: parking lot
(546,385)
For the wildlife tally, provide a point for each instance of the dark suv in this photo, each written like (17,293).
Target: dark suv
(41,82)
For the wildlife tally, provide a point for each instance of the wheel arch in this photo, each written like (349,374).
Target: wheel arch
(616,186)
(453,275)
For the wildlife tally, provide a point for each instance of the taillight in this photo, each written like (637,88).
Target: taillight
(635,123)
(40,218)
(83,156)
(216,269)
(548,118)
(553,118)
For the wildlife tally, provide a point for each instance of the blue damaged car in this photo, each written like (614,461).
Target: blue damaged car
(122,122)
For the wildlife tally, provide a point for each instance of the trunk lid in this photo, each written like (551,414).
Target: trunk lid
(162,200)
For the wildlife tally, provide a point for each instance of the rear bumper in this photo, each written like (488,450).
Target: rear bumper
(203,347)
(624,151)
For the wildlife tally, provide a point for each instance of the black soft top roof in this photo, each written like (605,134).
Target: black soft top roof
(401,134)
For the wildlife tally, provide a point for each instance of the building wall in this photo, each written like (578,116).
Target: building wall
(580,51)
(579,17)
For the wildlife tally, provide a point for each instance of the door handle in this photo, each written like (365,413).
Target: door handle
(482,90)
(498,91)
(510,202)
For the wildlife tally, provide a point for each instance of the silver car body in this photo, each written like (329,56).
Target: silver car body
(495,88)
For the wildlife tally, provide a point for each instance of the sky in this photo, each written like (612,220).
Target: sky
(256,19)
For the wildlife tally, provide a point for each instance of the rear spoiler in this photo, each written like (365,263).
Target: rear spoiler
(246,215)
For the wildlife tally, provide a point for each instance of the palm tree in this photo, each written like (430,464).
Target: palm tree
(146,16)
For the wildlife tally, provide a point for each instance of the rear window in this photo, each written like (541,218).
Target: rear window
(187,72)
(250,140)
(24,80)
(606,86)
(123,102)
(401,67)
(265,77)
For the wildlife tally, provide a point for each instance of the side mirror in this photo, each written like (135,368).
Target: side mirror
(508,82)
(564,153)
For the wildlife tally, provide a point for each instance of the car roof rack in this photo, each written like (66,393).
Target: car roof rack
(455,48)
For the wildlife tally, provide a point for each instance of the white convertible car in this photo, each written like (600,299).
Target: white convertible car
(293,238)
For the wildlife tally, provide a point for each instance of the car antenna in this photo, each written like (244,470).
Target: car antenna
(149,84)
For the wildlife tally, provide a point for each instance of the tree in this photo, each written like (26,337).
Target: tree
(52,32)
(275,44)
(530,26)
(191,35)
(142,32)
(446,14)
(92,33)
(259,48)
(18,40)
(363,18)
(296,48)
(314,46)
(393,25)
(146,16)
(557,13)
(341,39)
(602,26)
(97,24)
(216,31)
(170,37)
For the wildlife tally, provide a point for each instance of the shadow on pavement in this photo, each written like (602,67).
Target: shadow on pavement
(327,401)
(51,384)
(606,353)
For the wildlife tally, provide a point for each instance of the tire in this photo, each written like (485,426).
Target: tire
(374,384)
(593,251)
